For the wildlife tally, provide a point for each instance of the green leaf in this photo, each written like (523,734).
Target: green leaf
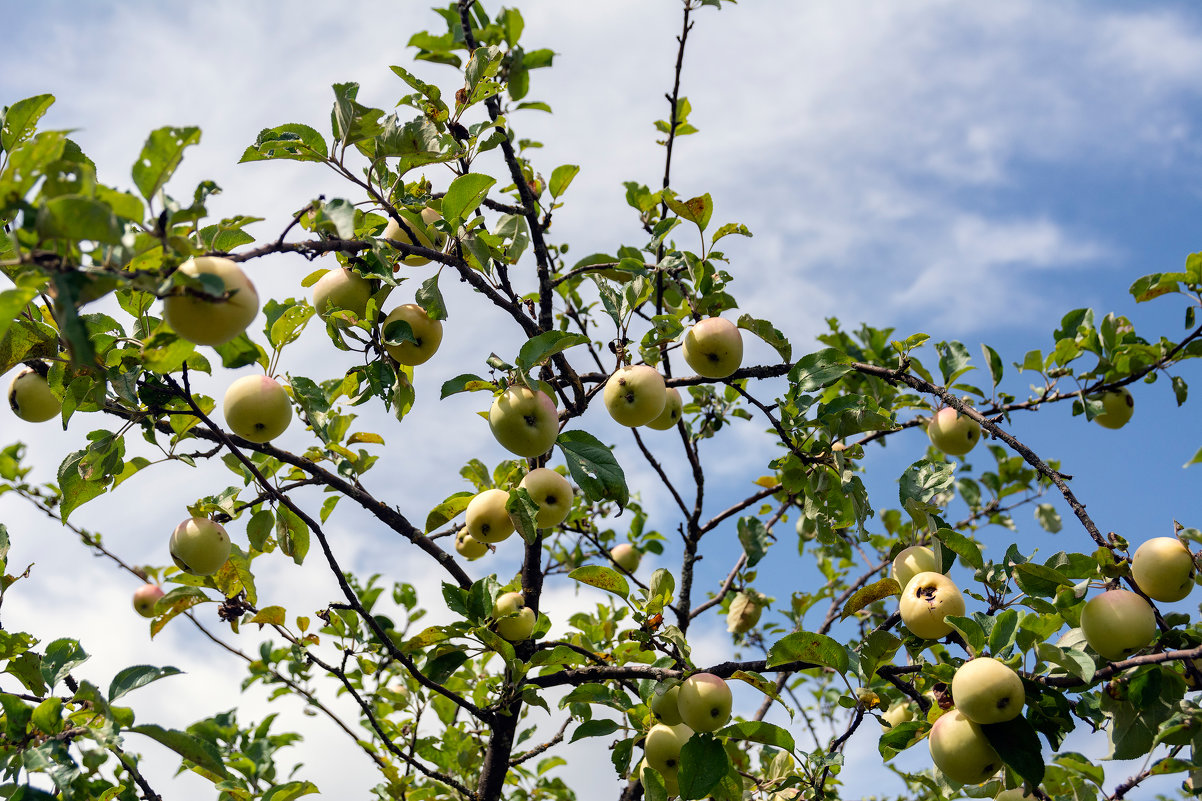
(728,229)
(820,370)
(350,121)
(131,678)
(594,468)
(12,301)
(289,791)
(759,732)
(1018,745)
(603,578)
(538,349)
(561,177)
(953,360)
(76,217)
(996,368)
(161,155)
(464,196)
(448,510)
(60,658)
(466,382)
(292,534)
(19,121)
(769,333)
(696,210)
(594,728)
(1004,631)
(1197,459)
(755,539)
(805,646)
(290,141)
(193,749)
(76,491)
(874,592)
(1048,517)
(963,547)
(430,299)
(703,763)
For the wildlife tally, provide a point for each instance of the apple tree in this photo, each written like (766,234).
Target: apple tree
(987,659)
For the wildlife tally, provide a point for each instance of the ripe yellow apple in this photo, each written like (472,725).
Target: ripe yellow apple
(426,332)
(928,599)
(515,620)
(199,546)
(1118,623)
(524,421)
(665,705)
(1163,567)
(987,691)
(912,561)
(1117,408)
(257,408)
(419,224)
(900,712)
(627,556)
(670,416)
(713,347)
(468,546)
(341,288)
(207,321)
(486,518)
(635,394)
(662,748)
(30,397)
(953,433)
(552,493)
(671,785)
(704,702)
(145,597)
(743,614)
(960,749)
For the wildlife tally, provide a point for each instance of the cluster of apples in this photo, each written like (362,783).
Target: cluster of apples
(701,703)
(984,691)
(487,522)
(513,619)
(928,596)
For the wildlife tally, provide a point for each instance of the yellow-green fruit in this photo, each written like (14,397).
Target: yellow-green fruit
(665,707)
(515,620)
(912,561)
(1117,408)
(635,395)
(925,603)
(713,347)
(486,518)
(419,224)
(524,421)
(898,713)
(704,702)
(257,408)
(1118,623)
(199,546)
(662,747)
(960,749)
(427,335)
(953,433)
(552,493)
(743,614)
(1163,567)
(30,397)
(670,416)
(468,546)
(344,289)
(987,691)
(627,556)
(209,321)
(671,785)
(145,597)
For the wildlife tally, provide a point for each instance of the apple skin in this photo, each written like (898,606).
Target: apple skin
(553,494)
(257,408)
(987,691)
(713,348)
(960,749)
(427,332)
(635,395)
(671,786)
(670,416)
(486,518)
(199,546)
(744,613)
(419,224)
(468,546)
(341,289)
(1163,567)
(145,597)
(912,561)
(666,707)
(662,747)
(1013,794)
(213,322)
(704,702)
(524,421)
(898,713)
(627,556)
(1118,623)
(515,620)
(30,397)
(1117,407)
(953,433)
(928,598)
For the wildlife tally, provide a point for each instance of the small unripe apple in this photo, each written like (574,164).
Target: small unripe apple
(486,518)
(635,394)
(553,494)
(207,321)
(515,620)
(713,347)
(257,408)
(898,713)
(524,421)
(953,433)
(145,597)
(928,599)
(30,397)
(199,546)
(665,706)
(960,749)
(419,224)
(704,702)
(1163,567)
(341,288)
(627,556)
(468,546)
(426,332)
(662,747)
(987,691)
(743,614)
(1118,623)
(1117,408)
(912,561)
(670,416)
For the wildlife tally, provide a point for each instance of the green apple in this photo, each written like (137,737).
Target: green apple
(515,620)
(929,598)
(670,416)
(1118,623)
(208,321)
(900,712)
(671,785)
(960,749)
(635,394)
(199,546)
(419,224)
(1163,567)
(30,397)
(468,546)
(1014,794)
(743,614)
(552,493)
(341,288)
(257,408)
(626,556)
(953,433)
(486,518)
(145,597)
(662,747)
(704,702)
(665,705)
(524,421)
(912,561)
(988,691)
(713,347)
(426,332)
(1117,408)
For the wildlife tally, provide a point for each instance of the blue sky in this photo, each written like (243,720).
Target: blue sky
(967,170)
